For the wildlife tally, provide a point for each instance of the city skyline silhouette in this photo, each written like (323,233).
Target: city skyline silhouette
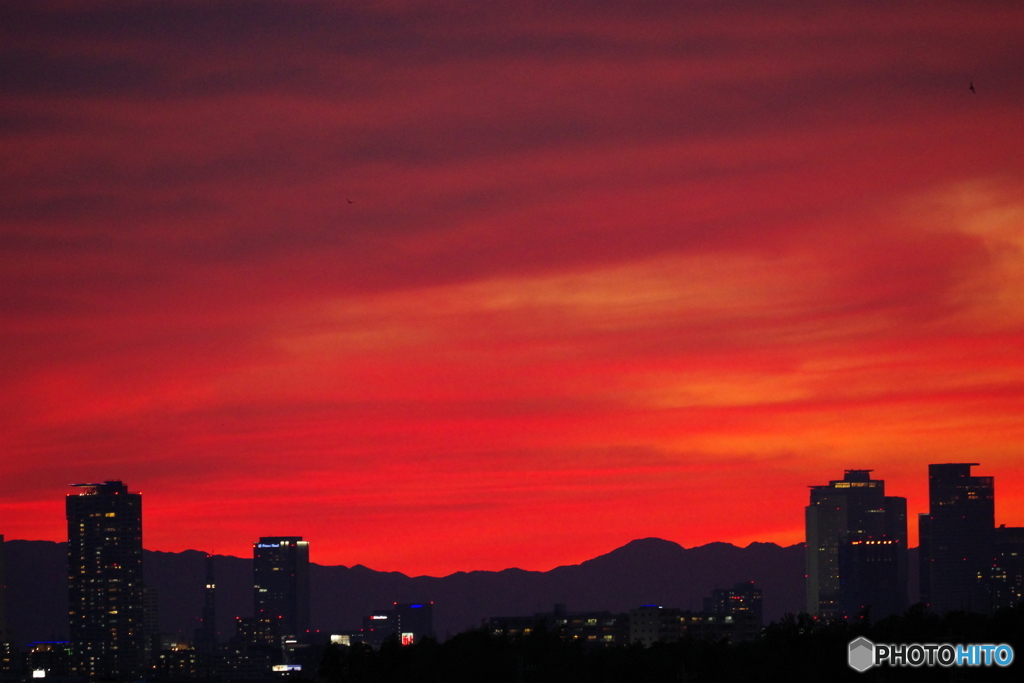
(848,512)
(857,563)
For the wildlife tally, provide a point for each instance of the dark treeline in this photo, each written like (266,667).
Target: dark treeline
(795,649)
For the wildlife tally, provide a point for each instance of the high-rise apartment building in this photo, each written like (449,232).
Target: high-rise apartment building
(281,584)
(957,547)
(105,591)
(856,548)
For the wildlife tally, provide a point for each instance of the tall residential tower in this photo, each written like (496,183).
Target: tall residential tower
(105,593)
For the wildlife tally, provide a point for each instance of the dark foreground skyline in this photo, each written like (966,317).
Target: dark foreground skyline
(115,631)
(802,649)
(857,559)
(662,572)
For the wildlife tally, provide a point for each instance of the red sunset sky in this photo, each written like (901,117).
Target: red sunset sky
(445,286)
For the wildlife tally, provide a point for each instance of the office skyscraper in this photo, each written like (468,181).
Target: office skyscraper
(105,593)
(281,584)
(1008,568)
(206,635)
(957,539)
(856,548)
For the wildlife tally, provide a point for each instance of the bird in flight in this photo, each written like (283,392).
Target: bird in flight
(971,86)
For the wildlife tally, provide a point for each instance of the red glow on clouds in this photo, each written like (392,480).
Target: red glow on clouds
(505,286)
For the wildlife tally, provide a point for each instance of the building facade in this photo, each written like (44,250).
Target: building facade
(651,624)
(1008,568)
(590,629)
(740,599)
(414,621)
(206,634)
(281,584)
(105,590)
(957,539)
(730,614)
(856,548)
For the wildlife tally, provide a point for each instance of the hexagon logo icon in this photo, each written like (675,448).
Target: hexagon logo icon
(861,654)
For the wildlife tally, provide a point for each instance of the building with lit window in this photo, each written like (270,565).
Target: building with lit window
(414,621)
(409,623)
(105,591)
(378,626)
(742,598)
(53,658)
(856,548)
(655,624)
(869,569)
(589,629)
(3,605)
(738,627)
(253,633)
(645,625)
(957,539)
(651,624)
(206,634)
(1008,567)
(281,584)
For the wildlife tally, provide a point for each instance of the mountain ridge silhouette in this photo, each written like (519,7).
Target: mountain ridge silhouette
(643,571)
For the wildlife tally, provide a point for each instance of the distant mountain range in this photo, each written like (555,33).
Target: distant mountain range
(646,571)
